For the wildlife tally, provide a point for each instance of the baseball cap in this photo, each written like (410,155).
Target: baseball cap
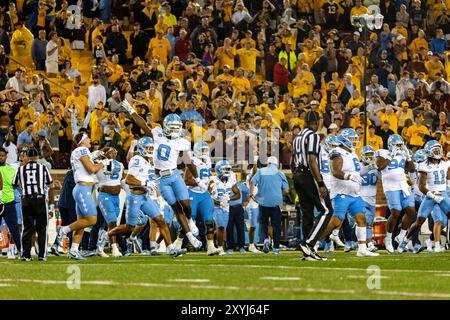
(312,116)
(314,102)
(272,160)
(356,33)
(355,111)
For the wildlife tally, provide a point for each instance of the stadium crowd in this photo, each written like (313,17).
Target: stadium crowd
(238,66)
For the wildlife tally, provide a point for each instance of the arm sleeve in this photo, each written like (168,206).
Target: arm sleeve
(255,179)
(284,182)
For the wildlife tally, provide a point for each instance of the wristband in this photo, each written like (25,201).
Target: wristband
(347,176)
(321,184)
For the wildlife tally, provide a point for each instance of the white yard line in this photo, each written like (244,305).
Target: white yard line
(280,278)
(365,277)
(237,288)
(188,280)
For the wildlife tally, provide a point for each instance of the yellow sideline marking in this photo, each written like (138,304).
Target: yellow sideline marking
(237,288)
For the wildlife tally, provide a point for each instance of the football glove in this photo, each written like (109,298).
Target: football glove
(355,177)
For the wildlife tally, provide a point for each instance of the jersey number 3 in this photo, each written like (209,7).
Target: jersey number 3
(163,152)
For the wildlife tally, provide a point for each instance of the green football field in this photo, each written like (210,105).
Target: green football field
(236,276)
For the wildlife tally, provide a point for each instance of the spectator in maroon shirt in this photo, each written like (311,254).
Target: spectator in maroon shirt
(183,46)
(270,59)
(281,75)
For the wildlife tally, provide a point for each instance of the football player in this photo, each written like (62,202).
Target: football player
(433,176)
(168,145)
(393,165)
(140,180)
(221,187)
(109,187)
(200,198)
(84,170)
(370,174)
(346,188)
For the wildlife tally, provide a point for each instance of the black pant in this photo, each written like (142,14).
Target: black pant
(68,216)
(309,198)
(236,218)
(274,213)
(10,217)
(35,219)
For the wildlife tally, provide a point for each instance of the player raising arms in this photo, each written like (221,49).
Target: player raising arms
(393,165)
(370,174)
(139,181)
(345,189)
(168,145)
(433,176)
(200,198)
(109,187)
(84,170)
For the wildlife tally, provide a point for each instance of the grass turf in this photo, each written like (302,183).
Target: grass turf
(237,276)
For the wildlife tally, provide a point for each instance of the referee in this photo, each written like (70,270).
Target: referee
(34,180)
(309,185)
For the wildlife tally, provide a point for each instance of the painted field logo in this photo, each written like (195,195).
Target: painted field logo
(74,279)
(374,277)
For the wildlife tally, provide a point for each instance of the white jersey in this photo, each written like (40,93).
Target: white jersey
(204,172)
(436,175)
(350,164)
(220,188)
(369,184)
(167,150)
(110,178)
(393,176)
(79,171)
(143,171)
(325,168)
(252,204)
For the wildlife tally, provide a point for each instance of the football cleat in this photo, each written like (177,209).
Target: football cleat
(366,253)
(252,248)
(242,250)
(402,246)
(101,253)
(266,247)
(316,256)
(27,259)
(42,259)
(55,250)
(213,252)
(329,247)
(438,248)
(222,253)
(309,258)
(154,252)
(335,238)
(197,244)
(75,254)
(347,246)
(115,252)
(305,249)
(178,243)
(176,252)
(89,253)
(388,245)
(276,251)
(371,247)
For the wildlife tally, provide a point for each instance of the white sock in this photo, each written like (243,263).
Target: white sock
(133,238)
(361,234)
(169,247)
(152,244)
(389,235)
(402,234)
(65,230)
(74,246)
(210,244)
(114,245)
(191,237)
(437,243)
(220,248)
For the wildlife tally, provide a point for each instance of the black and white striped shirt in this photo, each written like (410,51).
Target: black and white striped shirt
(306,142)
(33,178)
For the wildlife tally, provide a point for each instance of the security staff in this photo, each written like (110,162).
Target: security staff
(34,179)
(271,184)
(9,205)
(309,185)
